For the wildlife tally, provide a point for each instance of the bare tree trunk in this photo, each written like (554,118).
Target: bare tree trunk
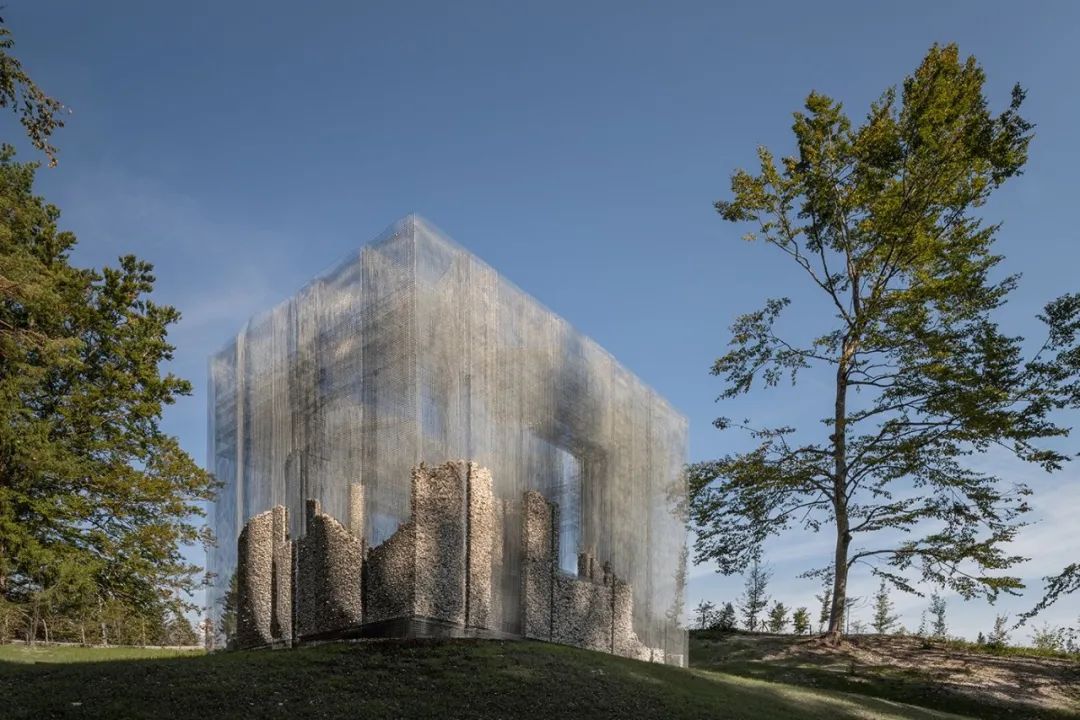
(839,499)
(101,619)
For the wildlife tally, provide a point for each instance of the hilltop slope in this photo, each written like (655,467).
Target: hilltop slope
(938,675)
(393,679)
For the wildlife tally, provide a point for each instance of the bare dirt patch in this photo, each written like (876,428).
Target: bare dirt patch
(904,668)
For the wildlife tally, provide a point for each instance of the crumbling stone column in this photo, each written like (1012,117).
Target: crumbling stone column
(282,576)
(264,580)
(438,504)
(587,566)
(329,564)
(480,549)
(356,510)
(624,641)
(503,509)
(539,551)
(254,581)
(582,613)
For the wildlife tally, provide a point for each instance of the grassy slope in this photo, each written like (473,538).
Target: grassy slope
(472,679)
(905,670)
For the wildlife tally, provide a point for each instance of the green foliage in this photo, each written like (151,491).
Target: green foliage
(1006,650)
(1057,587)
(883,221)
(939,629)
(95,499)
(778,618)
(884,619)
(800,621)
(999,636)
(1049,638)
(704,613)
(726,618)
(38,113)
(825,598)
(754,599)
(230,603)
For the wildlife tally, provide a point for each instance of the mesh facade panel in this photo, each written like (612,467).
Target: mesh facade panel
(416,351)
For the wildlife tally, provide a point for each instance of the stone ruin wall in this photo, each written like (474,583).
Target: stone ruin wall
(329,566)
(437,567)
(594,610)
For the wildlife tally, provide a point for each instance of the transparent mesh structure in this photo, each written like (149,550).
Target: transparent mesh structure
(413,350)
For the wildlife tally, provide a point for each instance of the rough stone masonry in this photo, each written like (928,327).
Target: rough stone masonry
(434,573)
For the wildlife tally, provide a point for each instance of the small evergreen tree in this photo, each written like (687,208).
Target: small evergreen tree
(800,619)
(825,598)
(884,619)
(937,610)
(704,611)
(778,619)
(754,599)
(230,603)
(921,632)
(980,639)
(725,619)
(999,636)
(849,603)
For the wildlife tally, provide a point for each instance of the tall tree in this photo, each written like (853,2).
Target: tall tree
(754,599)
(882,221)
(884,619)
(95,498)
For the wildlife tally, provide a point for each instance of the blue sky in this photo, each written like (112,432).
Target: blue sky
(577,147)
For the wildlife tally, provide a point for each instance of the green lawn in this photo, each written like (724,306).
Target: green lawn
(411,679)
(76,654)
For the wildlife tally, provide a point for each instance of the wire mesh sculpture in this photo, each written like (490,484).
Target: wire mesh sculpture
(414,351)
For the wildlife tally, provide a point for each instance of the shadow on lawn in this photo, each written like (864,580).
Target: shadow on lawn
(395,679)
(783,659)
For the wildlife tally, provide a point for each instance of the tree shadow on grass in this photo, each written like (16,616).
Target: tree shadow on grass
(414,679)
(899,685)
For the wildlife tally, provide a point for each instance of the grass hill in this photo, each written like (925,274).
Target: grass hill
(420,679)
